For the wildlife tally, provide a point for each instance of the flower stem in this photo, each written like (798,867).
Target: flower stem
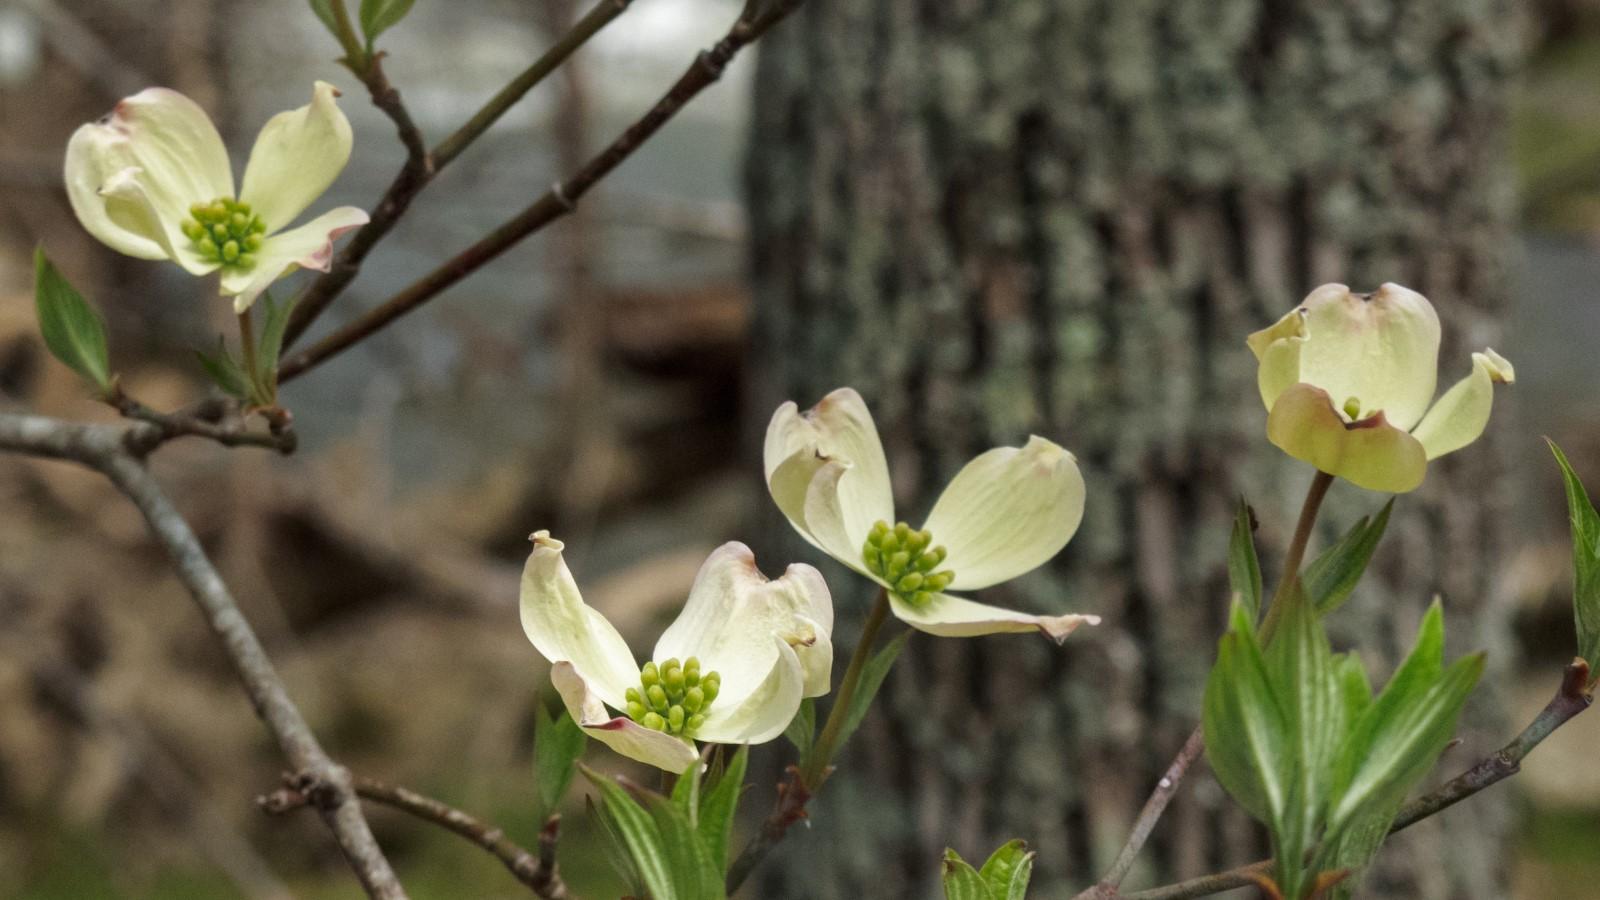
(247,343)
(816,769)
(1297,552)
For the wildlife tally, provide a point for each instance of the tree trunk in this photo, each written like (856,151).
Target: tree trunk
(1062,217)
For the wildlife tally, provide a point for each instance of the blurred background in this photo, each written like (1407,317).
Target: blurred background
(993,217)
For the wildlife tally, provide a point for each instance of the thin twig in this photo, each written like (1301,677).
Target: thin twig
(537,872)
(421,166)
(105,449)
(559,200)
(1571,699)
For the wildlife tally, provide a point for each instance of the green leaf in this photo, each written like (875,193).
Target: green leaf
(616,850)
(872,675)
(719,803)
(1354,689)
(686,793)
(1333,575)
(639,835)
(1246,729)
(1007,871)
(378,16)
(802,730)
(557,745)
(962,881)
(1300,664)
(324,11)
(270,344)
(695,876)
(1585,563)
(1396,740)
(71,328)
(225,371)
(1244,569)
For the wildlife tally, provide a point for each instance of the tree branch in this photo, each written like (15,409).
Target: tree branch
(213,418)
(421,166)
(537,872)
(559,200)
(1570,699)
(107,449)
(1164,791)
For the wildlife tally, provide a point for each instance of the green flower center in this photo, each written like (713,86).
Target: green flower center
(673,697)
(907,560)
(225,231)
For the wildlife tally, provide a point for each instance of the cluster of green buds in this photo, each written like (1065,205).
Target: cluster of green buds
(906,560)
(673,697)
(225,231)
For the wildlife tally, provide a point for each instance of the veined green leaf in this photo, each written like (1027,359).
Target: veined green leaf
(557,745)
(962,881)
(70,326)
(1246,730)
(616,849)
(1244,568)
(378,16)
(719,803)
(1008,870)
(1585,563)
(694,875)
(1333,575)
(872,675)
(1300,663)
(639,835)
(686,792)
(802,729)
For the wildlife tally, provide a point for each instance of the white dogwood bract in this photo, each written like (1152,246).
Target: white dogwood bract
(1006,512)
(767,644)
(1348,381)
(152,180)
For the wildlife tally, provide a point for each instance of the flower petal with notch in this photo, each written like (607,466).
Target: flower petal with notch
(152,180)
(766,645)
(1005,513)
(1348,381)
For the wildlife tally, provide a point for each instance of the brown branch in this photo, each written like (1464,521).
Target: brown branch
(791,808)
(421,166)
(105,449)
(1164,791)
(1571,699)
(213,418)
(537,872)
(559,200)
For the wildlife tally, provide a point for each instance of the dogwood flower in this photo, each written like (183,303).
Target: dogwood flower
(152,180)
(1007,511)
(732,669)
(1348,380)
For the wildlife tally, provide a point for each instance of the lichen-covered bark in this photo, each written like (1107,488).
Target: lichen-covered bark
(997,217)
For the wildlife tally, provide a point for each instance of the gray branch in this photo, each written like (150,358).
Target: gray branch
(113,451)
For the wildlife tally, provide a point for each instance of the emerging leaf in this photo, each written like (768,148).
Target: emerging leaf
(71,328)
(378,16)
(962,881)
(1008,870)
(1333,575)
(1247,731)
(639,835)
(557,745)
(802,729)
(1244,569)
(225,371)
(872,675)
(324,11)
(1585,563)
(718,803)
(270,345)
(695,876)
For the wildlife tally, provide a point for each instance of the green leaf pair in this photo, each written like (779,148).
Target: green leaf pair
(71,327)
(1585,563)
(673,848)
(1296,737)
(234,376)
(1003,877)
(1328,581)
(377,16)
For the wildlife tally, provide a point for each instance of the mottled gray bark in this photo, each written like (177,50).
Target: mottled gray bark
(1063,217)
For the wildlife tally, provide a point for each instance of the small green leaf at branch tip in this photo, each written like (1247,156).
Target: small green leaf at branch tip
(225,371)
(962,881)
(557,746)
(718,805)
(637,835)
(802,730)
(324,12)
(270,346)
(378,16)
(1333,575)
(1585,562)
(1244,567)
(72,328)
